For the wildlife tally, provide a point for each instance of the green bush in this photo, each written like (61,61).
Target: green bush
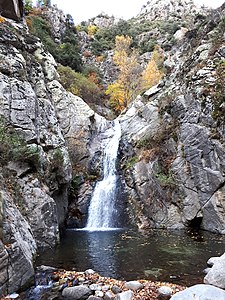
(66,53)
(13,147)
(80,85)
(148,46)
(131,162)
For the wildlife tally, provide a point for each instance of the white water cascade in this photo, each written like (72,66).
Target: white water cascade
(102,211)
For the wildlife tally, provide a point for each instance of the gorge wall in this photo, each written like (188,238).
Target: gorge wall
(174,133)
(37,114)
(171,155)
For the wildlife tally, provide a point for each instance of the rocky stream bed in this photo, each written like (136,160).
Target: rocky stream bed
(61,284)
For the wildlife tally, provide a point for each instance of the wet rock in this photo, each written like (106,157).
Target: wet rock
(109,295)
(89,272)
(46,268)
(201,292)
(216,274)
(133,285)
(14,296)
(164,292)
(77,292)
(128,295)
(116,289)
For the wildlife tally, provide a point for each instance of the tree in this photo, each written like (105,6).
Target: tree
(28,6)
(92,29)
(153,74)
(126,87)
(46,3)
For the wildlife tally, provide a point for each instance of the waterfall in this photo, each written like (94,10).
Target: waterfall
(102,210)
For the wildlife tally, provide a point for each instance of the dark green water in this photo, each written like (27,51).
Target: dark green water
(173,256)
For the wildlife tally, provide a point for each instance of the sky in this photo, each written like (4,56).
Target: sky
(83,10)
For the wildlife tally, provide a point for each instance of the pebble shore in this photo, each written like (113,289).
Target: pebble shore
(90,285)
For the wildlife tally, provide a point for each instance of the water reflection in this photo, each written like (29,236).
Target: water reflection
(160,255)
(101,252)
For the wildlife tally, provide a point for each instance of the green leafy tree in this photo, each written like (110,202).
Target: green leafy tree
(43,3)
(28,6)
(66,53)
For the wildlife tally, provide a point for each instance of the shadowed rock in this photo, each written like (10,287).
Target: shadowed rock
(12,9)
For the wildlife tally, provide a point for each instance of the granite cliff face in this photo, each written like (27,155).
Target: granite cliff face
(171,153)
(37,170)
(44,132)
(175,134)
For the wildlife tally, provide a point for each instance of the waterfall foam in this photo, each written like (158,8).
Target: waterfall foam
(102,211)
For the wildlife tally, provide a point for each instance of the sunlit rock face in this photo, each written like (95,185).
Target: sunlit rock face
(12,9)
(169,10)
(172,150)
(33,191)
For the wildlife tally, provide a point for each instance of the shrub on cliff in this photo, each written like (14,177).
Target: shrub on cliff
(80,85)
(13,146)
(66,53)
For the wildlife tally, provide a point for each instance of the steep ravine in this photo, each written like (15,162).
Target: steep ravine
(175,135)
(171,152)
(37,115)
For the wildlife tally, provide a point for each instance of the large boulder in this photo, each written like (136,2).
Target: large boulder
(200,292)
(216,274)
(16,256)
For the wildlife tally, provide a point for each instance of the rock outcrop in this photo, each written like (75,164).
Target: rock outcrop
(50,128)
(200,291)
(35,164)
(216,274)
(174,134)
(12,9)
(169,10)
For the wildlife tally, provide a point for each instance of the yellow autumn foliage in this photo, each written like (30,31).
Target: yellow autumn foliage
(92,29)
(153,73)
(117,95)
(125,88)
(2,19)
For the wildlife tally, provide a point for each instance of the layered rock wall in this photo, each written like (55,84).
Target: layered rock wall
(36,174)
(173,136)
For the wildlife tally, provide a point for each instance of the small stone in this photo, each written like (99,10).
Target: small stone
(75,282)
(89,272)
(164,292)
(105,288)
(128,295)
(76,292)
(94,298)
(116,290)
(81,279)
(46,268)
(99,294)
(133,285)
(14,296)
(55,277)
(62,280)
(95,287)
(109,295)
